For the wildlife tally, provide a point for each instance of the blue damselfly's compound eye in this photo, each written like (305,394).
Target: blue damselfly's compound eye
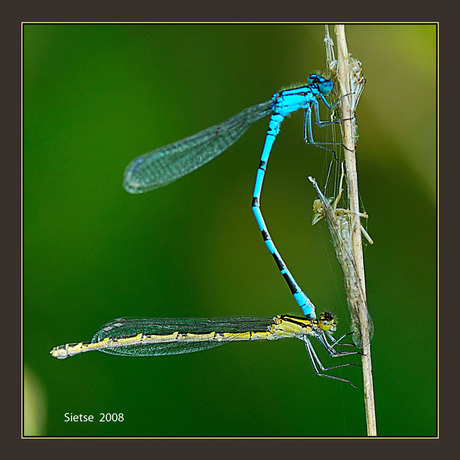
(324,85)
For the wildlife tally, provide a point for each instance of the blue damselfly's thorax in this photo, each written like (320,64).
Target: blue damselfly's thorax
(301,97)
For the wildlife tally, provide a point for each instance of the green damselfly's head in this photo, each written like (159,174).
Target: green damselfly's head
(323,84)
(326,322)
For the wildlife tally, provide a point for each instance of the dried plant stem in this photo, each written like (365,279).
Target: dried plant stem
(343,77)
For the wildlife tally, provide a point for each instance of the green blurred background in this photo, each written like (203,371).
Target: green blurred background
(95,97)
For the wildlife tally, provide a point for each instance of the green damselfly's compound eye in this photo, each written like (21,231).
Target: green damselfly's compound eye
(327,322)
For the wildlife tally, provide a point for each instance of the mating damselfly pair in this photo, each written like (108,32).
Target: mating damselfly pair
(153,337)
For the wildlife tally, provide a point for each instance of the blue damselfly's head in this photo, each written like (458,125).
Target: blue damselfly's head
(323,84)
